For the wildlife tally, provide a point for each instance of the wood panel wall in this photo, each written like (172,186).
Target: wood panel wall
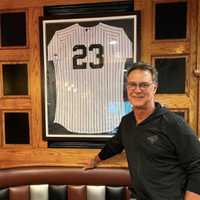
(37,153)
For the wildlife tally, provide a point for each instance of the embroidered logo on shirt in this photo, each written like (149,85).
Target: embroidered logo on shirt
(152,139)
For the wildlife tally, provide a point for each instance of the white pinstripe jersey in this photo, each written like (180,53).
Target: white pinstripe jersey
(89,69)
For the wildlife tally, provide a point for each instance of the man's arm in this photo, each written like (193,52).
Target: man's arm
(188,152)
(112,147)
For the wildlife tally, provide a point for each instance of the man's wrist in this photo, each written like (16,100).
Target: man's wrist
(97,159)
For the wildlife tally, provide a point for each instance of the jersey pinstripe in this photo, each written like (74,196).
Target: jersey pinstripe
(89,68)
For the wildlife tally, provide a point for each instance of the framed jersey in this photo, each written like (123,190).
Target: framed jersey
(85,60)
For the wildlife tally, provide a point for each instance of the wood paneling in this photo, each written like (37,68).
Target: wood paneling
(16,4)
(35,76)
(15,54)
(12,157)
(197,68)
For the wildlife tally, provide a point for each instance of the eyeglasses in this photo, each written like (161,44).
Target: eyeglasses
(141,86)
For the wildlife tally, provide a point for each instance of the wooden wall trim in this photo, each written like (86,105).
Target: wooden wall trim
(13,157)
(14,55)
(16,4)
(197,69)
(35,76)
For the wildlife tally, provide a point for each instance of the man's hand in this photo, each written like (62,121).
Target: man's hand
(91,164)
(191,196)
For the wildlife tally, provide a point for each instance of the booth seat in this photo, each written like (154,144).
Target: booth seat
(64,183)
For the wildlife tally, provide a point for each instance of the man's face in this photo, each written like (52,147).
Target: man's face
(141,88)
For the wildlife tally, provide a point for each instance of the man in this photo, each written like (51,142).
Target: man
(163,152)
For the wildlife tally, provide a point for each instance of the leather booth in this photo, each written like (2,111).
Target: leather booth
(64,183)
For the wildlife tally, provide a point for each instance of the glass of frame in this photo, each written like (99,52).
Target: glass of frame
(85,64)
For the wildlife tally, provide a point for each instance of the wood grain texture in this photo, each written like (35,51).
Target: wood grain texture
(13,157)
(14,54)
(192,81)
(197,66)
(35,76)
(16,4)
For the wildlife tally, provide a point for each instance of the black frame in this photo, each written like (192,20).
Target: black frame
(129,22)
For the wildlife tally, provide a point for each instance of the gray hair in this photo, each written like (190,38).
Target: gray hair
(144,67)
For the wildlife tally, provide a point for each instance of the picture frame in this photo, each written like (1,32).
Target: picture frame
(85,60)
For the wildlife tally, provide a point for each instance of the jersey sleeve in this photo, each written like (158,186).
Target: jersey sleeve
(188,152)
(112,147)
(52,47)
(127,45)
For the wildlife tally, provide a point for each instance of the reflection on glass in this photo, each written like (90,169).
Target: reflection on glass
(15,79)
(171,20)
(182,114)
(171,75)
(13,29)
(16,128)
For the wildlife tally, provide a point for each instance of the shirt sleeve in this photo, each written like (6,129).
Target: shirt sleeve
(52,47)
(188,152)
(112,147)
